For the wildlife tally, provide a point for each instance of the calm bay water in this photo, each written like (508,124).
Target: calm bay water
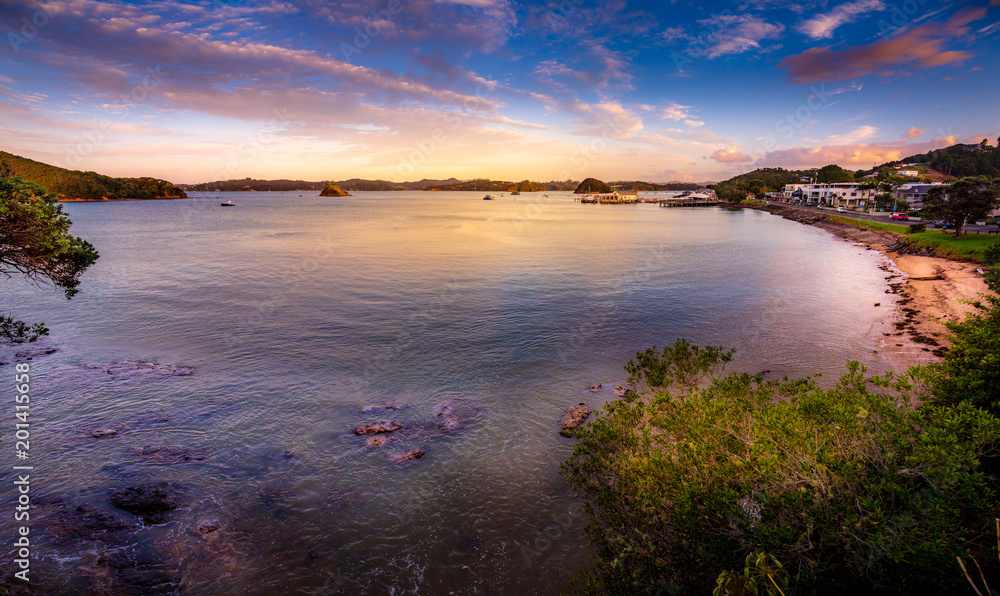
(295,312)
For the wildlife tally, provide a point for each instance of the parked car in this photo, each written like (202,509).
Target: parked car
(901,216)
(841,210)
(947,225)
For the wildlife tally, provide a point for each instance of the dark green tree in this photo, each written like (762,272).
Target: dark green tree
(35,243)
(968,199)
(832,174)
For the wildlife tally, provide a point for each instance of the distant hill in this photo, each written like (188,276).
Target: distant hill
(758,182)
(74,185)
(251,184)
(958,161)
(484,184)
(245,184)
(650,186)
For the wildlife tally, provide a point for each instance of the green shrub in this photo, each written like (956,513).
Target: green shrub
(969,372)
(917,228)
(851,489)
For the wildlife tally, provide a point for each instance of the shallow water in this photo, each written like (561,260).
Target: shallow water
(294,312)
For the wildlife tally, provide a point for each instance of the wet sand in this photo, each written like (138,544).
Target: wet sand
(930,292)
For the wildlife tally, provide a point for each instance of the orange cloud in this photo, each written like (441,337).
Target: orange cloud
(730,155)
(922,46)
(913,133)
(857,155)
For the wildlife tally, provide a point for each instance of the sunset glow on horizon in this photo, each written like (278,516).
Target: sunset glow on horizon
(402,90)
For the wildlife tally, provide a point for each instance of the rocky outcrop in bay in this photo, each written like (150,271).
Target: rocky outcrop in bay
(574,418)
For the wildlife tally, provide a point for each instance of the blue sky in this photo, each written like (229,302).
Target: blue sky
(194,91)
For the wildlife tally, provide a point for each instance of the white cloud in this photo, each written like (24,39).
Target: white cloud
(736,34)
(675,111)
(822,26)
(858,134)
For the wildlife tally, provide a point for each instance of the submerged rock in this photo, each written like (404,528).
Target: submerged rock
(621,390)
(596,388)
(25,355)
(130,367)
(377,428)
(166,454)
(375,441)
(151,502)
(394,406)
(451,416)
(209,526)
(65,523)
(410,455)
(133,569)
(100,433)
(576,416)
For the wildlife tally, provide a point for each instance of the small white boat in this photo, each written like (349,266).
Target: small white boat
(229,204)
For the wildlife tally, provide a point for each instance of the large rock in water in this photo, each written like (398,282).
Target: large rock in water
(333,190)
(377,428)
(151,502)
(576,416)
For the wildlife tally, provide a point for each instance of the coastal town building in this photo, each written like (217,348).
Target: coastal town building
(840,194)
(914,193)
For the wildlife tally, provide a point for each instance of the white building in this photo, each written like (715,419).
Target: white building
(915,193)
(909,173)
(841,194)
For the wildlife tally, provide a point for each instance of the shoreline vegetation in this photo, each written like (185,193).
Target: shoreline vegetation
(884,484)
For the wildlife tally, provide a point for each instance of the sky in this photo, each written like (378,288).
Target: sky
(202,90)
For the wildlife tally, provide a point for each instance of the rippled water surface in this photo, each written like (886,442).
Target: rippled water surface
(294,312)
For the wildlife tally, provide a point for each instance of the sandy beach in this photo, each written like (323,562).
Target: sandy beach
(930,291)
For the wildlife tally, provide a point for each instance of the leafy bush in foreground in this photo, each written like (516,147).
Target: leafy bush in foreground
(851,489)
(970,369)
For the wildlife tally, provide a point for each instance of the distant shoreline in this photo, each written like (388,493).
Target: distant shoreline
(66,200)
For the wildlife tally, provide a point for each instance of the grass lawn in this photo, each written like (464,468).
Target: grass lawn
(966,248)
(870,225)
(944,244)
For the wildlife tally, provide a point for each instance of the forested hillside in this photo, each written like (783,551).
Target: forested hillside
(74,185)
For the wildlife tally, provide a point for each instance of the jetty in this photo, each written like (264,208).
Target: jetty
(611,198)
(692,200)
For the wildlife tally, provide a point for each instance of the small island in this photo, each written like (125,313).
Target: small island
(333,190)
(592,185)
